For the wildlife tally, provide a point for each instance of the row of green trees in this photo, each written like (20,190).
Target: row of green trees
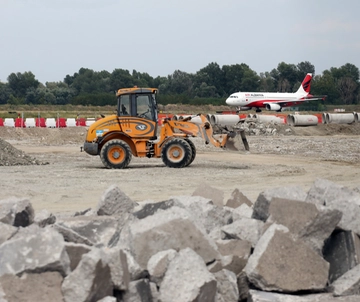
(210,85)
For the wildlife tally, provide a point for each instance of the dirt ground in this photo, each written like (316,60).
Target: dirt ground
(62,179)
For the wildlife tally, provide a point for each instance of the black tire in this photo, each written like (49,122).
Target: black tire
(176,153)
(193,150)
(115,154)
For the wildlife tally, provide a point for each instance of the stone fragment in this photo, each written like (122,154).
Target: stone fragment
(158,264)
(261,206)
(342,251)
(75,252)
(170,229)
(339,198)
(90,281)
(227,285)
(32,287)
(44,218)
(237,199)
(188,279)
(93,230)
(115,202)
(150,208)
(245,229)
(17,212)
(139,290)
(242,211)
(216,195)
(313,224)
(259,296)
(34,250)
(6,231)
(279,263)
(348,284)
(136,272)
(243,286)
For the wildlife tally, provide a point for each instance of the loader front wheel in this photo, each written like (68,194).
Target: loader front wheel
(176,153)
(115,154)
(193,150)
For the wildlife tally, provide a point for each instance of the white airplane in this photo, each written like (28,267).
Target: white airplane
(273,101)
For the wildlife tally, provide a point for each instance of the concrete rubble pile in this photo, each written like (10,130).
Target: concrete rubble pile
(289,245)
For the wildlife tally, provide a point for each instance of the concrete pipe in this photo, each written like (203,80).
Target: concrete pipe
(303,120)
(324,118)
(208,117)
(225,119)
(268,118)
(340,118)
(357,117)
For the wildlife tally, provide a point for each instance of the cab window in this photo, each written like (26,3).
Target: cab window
(144,108)
(124,105)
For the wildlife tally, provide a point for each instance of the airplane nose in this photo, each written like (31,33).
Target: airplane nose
(228,101)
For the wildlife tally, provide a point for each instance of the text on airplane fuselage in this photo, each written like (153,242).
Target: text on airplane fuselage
(254,94)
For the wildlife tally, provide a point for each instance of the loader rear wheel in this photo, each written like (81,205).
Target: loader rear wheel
(115,154)
(193,150)
(176,153)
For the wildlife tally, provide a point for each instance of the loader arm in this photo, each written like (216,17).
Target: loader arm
(185,127)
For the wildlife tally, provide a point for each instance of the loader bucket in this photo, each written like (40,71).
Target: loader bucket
(235,139)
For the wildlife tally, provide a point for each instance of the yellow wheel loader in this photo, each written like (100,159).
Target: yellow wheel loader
(133,132)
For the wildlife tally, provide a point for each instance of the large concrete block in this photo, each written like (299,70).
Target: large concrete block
(348,284)
(188,279)
(115,202)
(216,195)
(90,281)
(262,203)
(17,212)
(32,287)
(280,263)
(237,199)
(342,251)
(227,286)
(6,231)
(34,249)
(170,229)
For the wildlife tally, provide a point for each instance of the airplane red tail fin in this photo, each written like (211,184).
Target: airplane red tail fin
(306,83)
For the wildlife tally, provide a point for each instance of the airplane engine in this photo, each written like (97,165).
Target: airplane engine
(273,107)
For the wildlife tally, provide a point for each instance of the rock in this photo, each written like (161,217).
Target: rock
(150,208)
(339,198)
(158,264)
(244,229)
(237,199)
(262,203)
(342,251)
(34,250)
(75,252)
(242,211)
(32,287)
(279,263)
(115,202)
(348,284)
(188,279)
(44,218)
(90,281)
(17,212)
(170,229)
(227,285)
(6,231)
(216,195)
(139,290)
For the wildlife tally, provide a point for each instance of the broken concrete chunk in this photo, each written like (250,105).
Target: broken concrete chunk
(6,231)
(75,252)
(262,203)
(150,208)
(188,279)
(44,218)
(227,285)
(237,199)
(17,212)
(279,263)
(348,284)
(245,229)
(242,211)
(115,202)
(90,281)
(342,251)
(38,250)
(170,229)
(158,264)
(32,287)
(216,195)
(139,290)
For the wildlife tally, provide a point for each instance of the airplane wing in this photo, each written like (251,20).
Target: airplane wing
(314,98)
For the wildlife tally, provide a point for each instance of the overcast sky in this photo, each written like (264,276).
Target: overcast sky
(53,38)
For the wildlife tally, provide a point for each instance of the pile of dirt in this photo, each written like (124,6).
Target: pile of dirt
(10,156)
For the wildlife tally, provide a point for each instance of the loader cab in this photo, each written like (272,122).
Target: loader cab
(137,102)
